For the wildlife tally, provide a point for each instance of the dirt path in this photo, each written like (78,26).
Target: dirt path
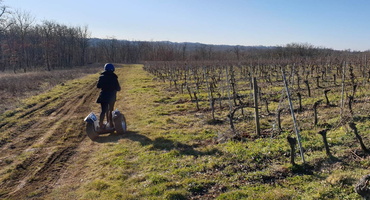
(44,145)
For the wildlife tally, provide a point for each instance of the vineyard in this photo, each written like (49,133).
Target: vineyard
(193,134)
(204,121)
(255,97)
(231,84)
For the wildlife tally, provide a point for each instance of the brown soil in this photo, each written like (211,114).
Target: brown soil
(37,154)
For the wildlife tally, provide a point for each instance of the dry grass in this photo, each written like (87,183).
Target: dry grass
(170,150)
(16,87)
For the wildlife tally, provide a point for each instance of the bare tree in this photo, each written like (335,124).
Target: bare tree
(237,52)
(4,18)
(4,25)
(22,23)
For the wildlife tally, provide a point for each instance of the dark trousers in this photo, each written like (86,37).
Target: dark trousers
(106,110)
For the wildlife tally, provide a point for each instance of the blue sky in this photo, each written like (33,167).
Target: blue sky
(337,24)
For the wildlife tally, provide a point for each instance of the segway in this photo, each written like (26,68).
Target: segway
(92,125)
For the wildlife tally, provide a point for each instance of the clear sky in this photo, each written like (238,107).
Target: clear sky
(336,24)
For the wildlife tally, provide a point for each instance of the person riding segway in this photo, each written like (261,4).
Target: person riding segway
(109,85)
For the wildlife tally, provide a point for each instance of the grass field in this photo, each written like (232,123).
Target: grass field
(16,87)
(169,152)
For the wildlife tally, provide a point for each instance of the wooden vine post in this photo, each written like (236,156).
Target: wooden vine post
(231,112)
(342,95)
(255,96)
(293,116)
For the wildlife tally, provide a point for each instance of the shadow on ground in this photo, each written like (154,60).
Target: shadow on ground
(159,143)
(108,138)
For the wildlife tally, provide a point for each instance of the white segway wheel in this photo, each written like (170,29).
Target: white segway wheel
(119,122)
(90,130)
(91,126)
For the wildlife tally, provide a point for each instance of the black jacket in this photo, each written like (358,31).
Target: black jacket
(109,85)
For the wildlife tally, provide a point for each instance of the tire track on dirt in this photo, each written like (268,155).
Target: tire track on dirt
(24,122)
(45,146)
(33,131)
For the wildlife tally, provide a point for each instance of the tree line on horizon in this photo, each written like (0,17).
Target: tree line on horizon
(28,46)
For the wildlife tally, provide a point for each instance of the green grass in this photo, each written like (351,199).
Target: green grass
(172,152)
(177,158)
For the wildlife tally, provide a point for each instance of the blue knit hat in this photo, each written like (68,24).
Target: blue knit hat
(109,67)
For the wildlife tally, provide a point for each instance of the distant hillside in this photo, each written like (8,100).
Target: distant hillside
(189,45)
(125,51)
